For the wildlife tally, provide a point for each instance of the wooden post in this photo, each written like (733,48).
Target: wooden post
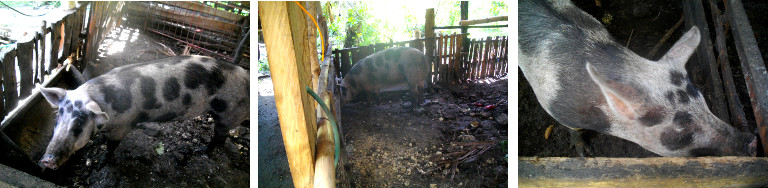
(285,36)
(429,43)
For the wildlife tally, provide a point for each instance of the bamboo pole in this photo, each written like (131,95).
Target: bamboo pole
(482,20)
(283,38)
(325,174)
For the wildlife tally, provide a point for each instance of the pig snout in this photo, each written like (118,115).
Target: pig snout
(752,148)
(49,161)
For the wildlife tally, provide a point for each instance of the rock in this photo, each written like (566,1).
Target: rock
(487,124)
(152,129)
(502,118)
(466,137)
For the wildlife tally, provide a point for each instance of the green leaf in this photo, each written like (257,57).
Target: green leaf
(160,148)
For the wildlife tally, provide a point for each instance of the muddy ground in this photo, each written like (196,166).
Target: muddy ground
(642,23)
(155,154)
(389,144)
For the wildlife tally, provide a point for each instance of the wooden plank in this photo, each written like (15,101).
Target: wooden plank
(506,55)
(9,80)
(439,61)
(643,172)
(25,52)
(297,136)
(41,52)
(55,45)
(706,74)
(187,19)
(66,35)
(482,20)
(199,7)
(752,66)
(738,118)
(429,43)
(346,64)
(451,59)
(15,115)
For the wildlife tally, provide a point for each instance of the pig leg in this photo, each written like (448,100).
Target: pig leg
(579,143)
(226,115)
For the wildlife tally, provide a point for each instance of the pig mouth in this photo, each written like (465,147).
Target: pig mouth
(49,161)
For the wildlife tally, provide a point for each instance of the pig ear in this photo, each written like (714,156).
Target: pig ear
(618,95)
(53,95)
(101,116)
(683,48)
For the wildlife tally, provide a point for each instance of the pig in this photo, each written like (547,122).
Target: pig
(175,88)
(385,69)
(586,80)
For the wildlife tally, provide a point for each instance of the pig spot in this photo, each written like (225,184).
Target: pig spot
(218,105)
(671,97)
(69,109)
(681,133)
(78,122)
(78,104)
(197,74)
(148,90)
(684,99)
(119,99)
(692,91)
(676,78)
(142,117)
(166,117)
(653,117)
(187,99)
(706,151)
(171,89)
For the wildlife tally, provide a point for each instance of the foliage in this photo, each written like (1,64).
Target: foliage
(353,24)
(227,8)
(38,4)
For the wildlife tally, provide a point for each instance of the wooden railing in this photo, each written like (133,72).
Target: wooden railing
(485,58)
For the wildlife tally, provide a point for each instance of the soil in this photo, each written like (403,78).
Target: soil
(155,154)
(393,144)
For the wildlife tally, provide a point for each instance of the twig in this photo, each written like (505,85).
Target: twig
(666,36)
(630,37)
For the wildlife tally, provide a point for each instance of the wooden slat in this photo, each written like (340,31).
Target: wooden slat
(198,7)
(705,72)
(187,19)
(41,52)
(9,80)
(55,45)
(25,52)
(66,35)
(298,137)
(752,66)
(439,59)
(346,64)
(643,172)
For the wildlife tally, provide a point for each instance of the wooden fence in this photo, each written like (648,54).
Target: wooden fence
(485,58)
(211,31)
(37,56)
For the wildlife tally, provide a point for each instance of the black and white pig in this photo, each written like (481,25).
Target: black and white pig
(585,80)
(386,69)
(175,88)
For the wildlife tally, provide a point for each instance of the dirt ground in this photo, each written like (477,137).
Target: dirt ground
(155,154)
(389,144)
(642,23)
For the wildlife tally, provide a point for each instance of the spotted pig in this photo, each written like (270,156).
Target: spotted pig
(175,88)
(386,69)
(586,80)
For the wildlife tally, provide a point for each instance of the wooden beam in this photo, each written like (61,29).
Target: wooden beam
(429,44)
(199,7)
(643,172)
(752,65)
(471,27)
(705,73)
(290,96)
(482,20)
(190,19)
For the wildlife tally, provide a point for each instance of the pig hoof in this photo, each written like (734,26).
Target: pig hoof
(579,143)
